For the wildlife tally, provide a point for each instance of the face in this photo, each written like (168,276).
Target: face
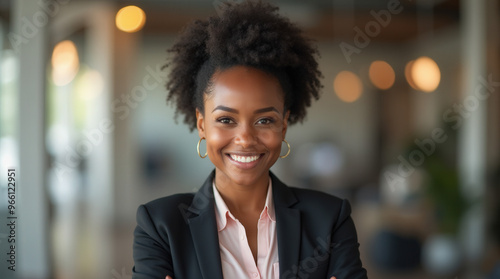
(244,124)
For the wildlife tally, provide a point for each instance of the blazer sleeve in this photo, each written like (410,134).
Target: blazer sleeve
(345,262)
(152,257)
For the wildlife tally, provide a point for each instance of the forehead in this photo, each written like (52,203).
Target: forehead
(245,86)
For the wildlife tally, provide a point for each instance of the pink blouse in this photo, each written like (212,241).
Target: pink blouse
(236,256)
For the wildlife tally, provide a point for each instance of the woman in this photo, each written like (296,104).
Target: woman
(240,79)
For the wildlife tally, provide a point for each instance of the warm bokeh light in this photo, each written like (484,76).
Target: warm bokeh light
(130,19)
(348,86)
(65,63)
(382,75)
(425,74)
(408,76)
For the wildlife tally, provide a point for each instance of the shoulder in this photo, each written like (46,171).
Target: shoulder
(308,200)
(322,211)
(169,202)
(165,208)
(308,195)
(178,208)
(319,202)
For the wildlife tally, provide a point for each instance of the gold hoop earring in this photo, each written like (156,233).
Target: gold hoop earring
(198,149)
(289,149)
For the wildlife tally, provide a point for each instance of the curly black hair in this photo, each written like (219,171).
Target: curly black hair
(251,33)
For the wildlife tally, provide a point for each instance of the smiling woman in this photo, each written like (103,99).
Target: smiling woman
(255,74)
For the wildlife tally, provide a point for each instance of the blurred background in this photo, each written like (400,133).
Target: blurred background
(407,130)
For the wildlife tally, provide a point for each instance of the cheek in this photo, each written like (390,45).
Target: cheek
(272,139)
(217,138)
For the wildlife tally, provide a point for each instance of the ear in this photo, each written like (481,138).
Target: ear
(200,123)
(285,123)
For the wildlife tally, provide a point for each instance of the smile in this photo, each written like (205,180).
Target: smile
(244,159)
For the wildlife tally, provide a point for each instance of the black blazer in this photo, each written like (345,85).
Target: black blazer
(177,236)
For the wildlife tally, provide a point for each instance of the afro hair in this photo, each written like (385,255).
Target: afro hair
(251,33)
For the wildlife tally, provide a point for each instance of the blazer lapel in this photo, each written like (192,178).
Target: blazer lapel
(288,227)
(203,226)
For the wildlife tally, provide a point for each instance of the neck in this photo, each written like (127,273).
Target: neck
(243,198)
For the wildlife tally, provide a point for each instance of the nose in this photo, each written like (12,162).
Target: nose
(246,136)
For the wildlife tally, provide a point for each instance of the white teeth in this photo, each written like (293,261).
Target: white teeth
(244,159)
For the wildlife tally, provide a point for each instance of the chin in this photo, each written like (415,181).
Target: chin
(244,178)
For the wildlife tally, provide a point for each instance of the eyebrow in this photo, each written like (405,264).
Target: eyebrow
(262,110)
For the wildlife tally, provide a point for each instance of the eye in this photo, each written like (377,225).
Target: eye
(265,121)
(225,120)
